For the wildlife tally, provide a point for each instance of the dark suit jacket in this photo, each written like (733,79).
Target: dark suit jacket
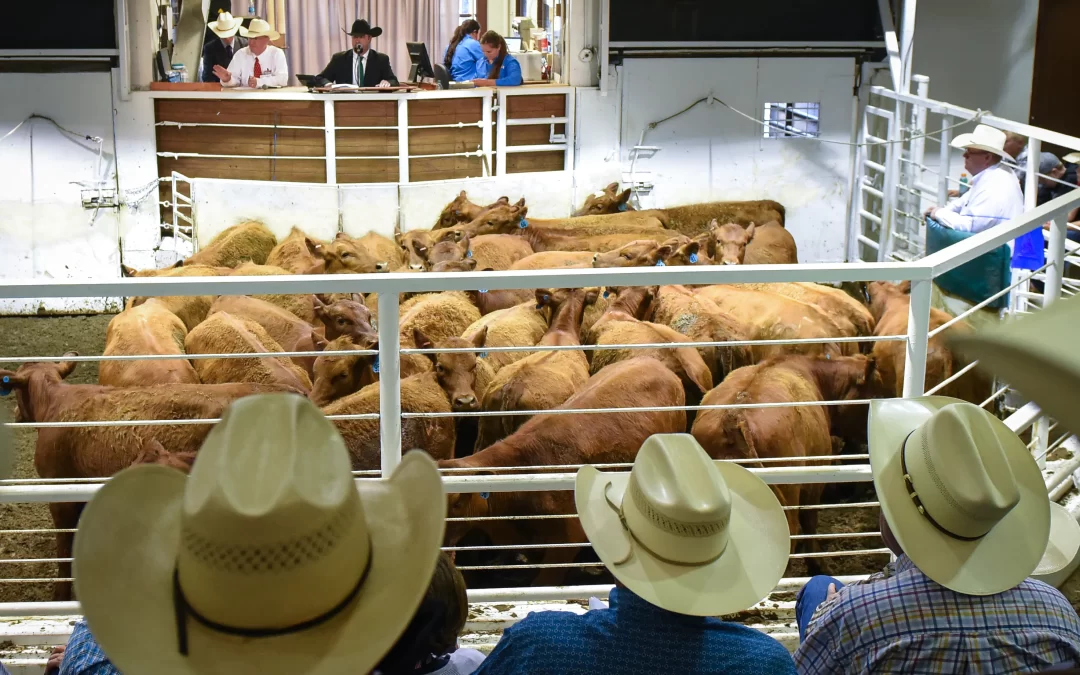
(215,54)
(340,70)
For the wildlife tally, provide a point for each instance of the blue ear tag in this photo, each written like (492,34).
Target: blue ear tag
(622,207)
(693,258)
(468,254)
(5,390)
(483,290)
(482,355)
(375,366)
(660,263)
(485,495)
(523,223)
(828,357)
(606,292)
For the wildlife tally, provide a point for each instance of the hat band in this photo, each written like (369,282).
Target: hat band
(918,502)
(184,609)
(622,519)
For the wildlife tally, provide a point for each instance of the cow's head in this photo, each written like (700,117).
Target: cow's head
(415,245)
(450,249)
(345,256)
(33,376)
(608,200)
(466,265)
(685,251)
(338,375)
(639,253)
(456,371)
(852,378)
(881,293)
(349,318)
(636,301)
(501,219)
(461,210)
(731,241)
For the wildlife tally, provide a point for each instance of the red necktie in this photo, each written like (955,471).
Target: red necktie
(258,68)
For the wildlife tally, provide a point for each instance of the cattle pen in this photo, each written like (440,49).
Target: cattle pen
(884,198)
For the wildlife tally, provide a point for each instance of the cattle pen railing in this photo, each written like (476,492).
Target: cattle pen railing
(920,273)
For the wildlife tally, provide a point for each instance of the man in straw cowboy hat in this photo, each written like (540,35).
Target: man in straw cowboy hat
(687,539)
(267,559)
(361,65)
(965,510)
(260,64)
(220,52)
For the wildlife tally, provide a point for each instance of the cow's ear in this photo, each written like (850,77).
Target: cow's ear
(128,271)
(520,203)
(750,232)
(871,368)
(66,368)
(463,195)
(693,247)
(591,296)
(624,197)
(470,263)
(504,200)
(904,287)
(397,233)
(178,264)
(543,297)
(480,338)
(423,342)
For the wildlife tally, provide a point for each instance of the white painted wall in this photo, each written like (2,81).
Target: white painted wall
(711,153)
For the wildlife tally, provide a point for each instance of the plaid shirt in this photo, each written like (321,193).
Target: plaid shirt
(83,655)
(899,621)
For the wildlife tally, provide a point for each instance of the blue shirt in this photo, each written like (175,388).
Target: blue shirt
(509,76)
(467,56)
(631,637)
(83,656)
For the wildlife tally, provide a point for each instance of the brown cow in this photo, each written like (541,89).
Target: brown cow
(499,251)
(414,246)
(493,301)
(684,251)
(608,200)
(550,260)
(700,320)
(622,324)
(345,255)
(637,253)
(345,315)
(439,316)
(449,250)
(832,301)
(92,452)
(245,242)
(224,333)
(339,375)
(298,254)
(890,304)
(522,325)
(154,452)
(287,330)
(446,387)
(149,328)
(693,219)
(573,438)
(191,309)
(768,244)
(511,219)
(461,210)
(541,380)
(803,431)
(302,305)
(388,255)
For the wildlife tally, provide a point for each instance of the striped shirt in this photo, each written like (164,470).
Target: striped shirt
(900,621)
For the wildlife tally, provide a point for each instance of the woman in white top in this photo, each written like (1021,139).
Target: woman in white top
(260,64)
(429,644)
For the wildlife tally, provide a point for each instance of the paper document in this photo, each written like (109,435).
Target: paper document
(346,86)
(597,603)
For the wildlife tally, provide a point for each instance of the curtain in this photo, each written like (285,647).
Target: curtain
(314,29)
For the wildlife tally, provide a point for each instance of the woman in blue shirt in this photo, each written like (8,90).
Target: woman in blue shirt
(498,69)
(464,54)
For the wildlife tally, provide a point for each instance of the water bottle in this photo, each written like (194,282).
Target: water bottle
(964,186)
(251,7)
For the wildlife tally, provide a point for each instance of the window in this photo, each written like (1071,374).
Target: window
(792,120)
(466,9)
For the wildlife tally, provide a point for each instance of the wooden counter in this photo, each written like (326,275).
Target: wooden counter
(293,135)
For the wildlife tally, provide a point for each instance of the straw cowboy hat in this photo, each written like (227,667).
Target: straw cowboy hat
(259,28)
(1037,354)
(960,491)
(684,532)
(983,138)
(1064,543)
(1072,158)
(225,26)
(267,559)
(362,27)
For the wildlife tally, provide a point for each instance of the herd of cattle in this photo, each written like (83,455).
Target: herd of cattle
(500,236)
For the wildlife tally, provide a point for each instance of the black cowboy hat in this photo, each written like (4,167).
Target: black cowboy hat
(362,27)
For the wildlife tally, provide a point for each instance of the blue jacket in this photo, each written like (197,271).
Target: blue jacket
(509,76)
(466,57)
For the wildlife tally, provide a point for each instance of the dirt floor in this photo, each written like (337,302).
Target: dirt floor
(33,336)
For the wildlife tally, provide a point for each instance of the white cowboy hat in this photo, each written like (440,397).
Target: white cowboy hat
(684,532)
(258,28)
(1072,158)
(1062,549)
(225,26)
(960,491)
(267,559)
(1037,354)
(983,138)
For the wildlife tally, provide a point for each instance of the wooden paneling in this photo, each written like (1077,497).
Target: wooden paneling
(534,134)
(543,105)
(303,170)
(365,114)
(368,171)
(367,143)
(240,111)
(443,141)
(525,162)
(242,141)
(445,168)
(445,111)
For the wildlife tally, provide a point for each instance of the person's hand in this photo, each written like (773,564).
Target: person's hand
(252,82)
(223,74)
(831,593)
(930,211)
(55,659)
(483,82)
(953,194)
(384,84)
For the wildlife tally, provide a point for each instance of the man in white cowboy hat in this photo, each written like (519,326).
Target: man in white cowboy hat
(220,52)
(268,559)
(260,64)
(964,508)
(361,65)
(687,539)
(994,196)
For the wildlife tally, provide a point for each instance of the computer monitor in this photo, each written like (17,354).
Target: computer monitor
(513,44)
(421,64)
(308,81)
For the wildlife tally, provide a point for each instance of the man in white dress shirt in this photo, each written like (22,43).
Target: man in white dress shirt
(994,196)
(260,64)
